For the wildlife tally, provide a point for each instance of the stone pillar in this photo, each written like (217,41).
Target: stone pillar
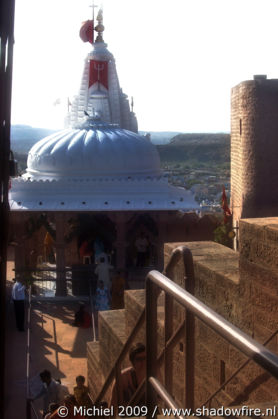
(61,285)
(161,225)
(121,240)
(19,237)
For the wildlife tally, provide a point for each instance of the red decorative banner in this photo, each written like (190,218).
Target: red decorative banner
(98,73)
(86,32)
(225,206)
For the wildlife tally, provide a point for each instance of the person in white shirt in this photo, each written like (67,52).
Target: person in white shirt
(18,296)
(103,271)
(52,391)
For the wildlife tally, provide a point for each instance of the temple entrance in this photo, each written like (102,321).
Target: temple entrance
(57,253)
(94,236)
(142,236)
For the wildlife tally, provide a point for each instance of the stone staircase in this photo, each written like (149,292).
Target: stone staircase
(242,287)
(113,327)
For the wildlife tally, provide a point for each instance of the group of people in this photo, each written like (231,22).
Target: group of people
(55,395)
(109,293)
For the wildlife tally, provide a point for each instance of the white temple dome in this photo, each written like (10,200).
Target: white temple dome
(96,167)
(94,149)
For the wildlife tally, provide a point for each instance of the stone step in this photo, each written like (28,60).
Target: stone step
(95,375)
(112,337)
(134,305)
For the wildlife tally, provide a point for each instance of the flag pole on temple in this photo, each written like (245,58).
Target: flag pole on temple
(93,18)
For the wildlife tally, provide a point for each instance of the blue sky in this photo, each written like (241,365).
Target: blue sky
(179,59)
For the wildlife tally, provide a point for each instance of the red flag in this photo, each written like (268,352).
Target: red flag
(98,73)
(86,32)
(225,206)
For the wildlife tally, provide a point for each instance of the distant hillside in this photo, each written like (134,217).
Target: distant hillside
(23,137)
(189,149)
(160,137)
(207,149)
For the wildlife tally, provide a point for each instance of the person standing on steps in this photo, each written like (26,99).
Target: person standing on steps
(103,271)
(131,377)
(18,297)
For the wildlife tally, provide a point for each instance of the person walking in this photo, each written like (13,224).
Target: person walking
(81,392)
(18,297)
(103,271)
(51,391)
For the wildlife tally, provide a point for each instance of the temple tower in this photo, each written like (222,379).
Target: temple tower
(100,92)
(254,148)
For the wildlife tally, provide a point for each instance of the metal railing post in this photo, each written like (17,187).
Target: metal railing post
(151,345)
(28,409)
(189,328)
(168,352)
(28,402)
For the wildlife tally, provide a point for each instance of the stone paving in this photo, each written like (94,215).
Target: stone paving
(55,345)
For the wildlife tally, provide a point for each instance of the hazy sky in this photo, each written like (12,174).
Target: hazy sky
(179,59)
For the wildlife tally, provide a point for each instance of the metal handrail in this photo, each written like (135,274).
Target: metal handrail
(29,405)
(262,356)
(185,254)
(256,351)
(165,396)
(28,343)
(92,311)
(120,358)
(243,365)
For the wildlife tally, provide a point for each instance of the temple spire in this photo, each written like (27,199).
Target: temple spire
(99,28)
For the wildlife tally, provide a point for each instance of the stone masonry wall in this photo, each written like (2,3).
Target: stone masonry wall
(244,290)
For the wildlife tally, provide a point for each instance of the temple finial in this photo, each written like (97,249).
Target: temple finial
(99,28)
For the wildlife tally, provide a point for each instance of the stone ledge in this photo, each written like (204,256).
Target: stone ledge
(112,337)
(94,369)
(258,241)
(134,305)
(212,257)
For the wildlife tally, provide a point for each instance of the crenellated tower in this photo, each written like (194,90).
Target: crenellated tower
(254,148)
(100,92)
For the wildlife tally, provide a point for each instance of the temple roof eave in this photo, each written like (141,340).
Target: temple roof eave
(128,195)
